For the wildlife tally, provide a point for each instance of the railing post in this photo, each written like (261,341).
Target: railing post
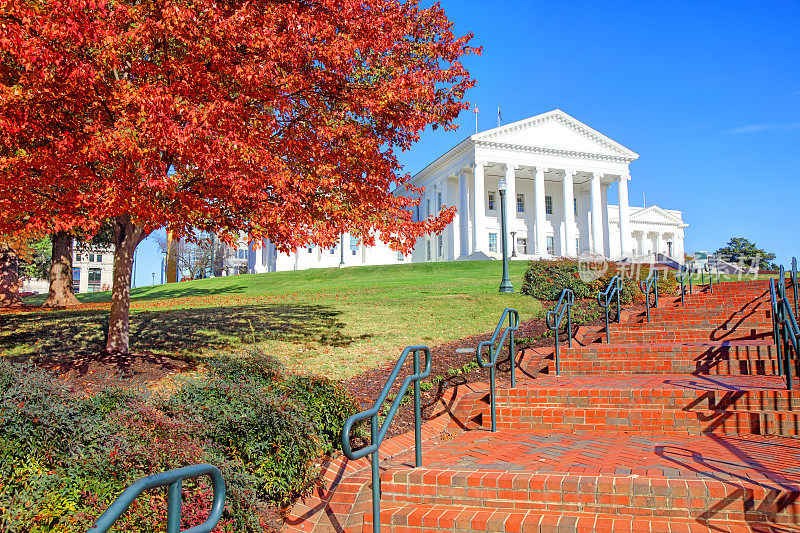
(655,285)
(491,389)
(511,356)
(569,326)
(174,507)
(376,478)
(794,285)
(417,414)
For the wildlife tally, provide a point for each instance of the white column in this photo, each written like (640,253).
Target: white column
(463,215)
(597,215)
(657,244)
(539,211)
(624,217)
(480,237)
(569,214)
(511,204)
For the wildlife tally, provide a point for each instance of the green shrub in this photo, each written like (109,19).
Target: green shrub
(545,280)
(258,427)
(326,404)
(63,459)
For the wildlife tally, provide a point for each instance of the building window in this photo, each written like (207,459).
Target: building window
(522,245)
(428,249)
(91,258)
(77,257)
(76,278)
(575,204)
(94,280)
(400,256)
(493,242)
(490,203)
(311,249)
(439,244)
(353,245)
(577,245)
(428,206)
(551,248)
(520,203)
(333,250)
(99,258)
(241,254)
(548,205)
(438,201)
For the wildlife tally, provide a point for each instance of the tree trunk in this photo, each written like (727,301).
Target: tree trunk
(61,293)
(127,237)
(9,277)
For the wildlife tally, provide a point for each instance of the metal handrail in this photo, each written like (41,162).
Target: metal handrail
(651,283)
(377,435)
(553,320)
(681,275)
(173,479)
(785,329)
(508,331)
(604,299)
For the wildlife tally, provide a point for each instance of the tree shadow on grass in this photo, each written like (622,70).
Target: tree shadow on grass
(67,340)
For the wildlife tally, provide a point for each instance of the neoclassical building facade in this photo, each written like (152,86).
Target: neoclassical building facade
(558,173)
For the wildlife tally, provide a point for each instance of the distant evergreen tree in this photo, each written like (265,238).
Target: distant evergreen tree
(744,252)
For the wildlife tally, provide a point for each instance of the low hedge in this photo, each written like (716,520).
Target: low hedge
(64,459)
(545,280)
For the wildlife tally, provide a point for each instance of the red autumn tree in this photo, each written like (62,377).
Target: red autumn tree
(279,118)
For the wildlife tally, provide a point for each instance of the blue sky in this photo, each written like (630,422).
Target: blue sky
(707,92)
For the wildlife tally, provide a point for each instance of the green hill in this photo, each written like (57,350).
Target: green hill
(336,322)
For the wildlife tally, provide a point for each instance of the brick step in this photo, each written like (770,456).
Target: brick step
(657,476)
(717,315)
(647,333)
(676,391)
(409,517)
(646,421)
(702,358)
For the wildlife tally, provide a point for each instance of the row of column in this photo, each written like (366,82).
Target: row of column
(469,242)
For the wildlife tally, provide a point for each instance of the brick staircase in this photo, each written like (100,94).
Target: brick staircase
(668,428)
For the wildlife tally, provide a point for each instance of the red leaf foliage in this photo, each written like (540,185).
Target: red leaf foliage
(277,118)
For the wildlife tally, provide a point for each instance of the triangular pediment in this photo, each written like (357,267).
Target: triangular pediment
(556,130)
(655,215)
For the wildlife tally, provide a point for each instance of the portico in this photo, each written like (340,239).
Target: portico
(558,173)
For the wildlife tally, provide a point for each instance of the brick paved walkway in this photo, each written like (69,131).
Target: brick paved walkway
(682,424)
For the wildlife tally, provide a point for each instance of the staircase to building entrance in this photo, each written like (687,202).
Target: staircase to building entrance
(682,423)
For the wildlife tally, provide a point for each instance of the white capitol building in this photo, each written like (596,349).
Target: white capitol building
(557,174)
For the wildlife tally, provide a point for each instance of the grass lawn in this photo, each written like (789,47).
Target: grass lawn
(335,322)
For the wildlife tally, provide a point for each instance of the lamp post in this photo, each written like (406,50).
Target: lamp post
(341,261)
(505,284)
(513,244)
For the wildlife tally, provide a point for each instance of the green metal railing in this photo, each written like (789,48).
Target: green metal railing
(508,331)
(647,286)
(682,275)
(174,480)
(605,297)
(553,320)
(377,434)
(785,330)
